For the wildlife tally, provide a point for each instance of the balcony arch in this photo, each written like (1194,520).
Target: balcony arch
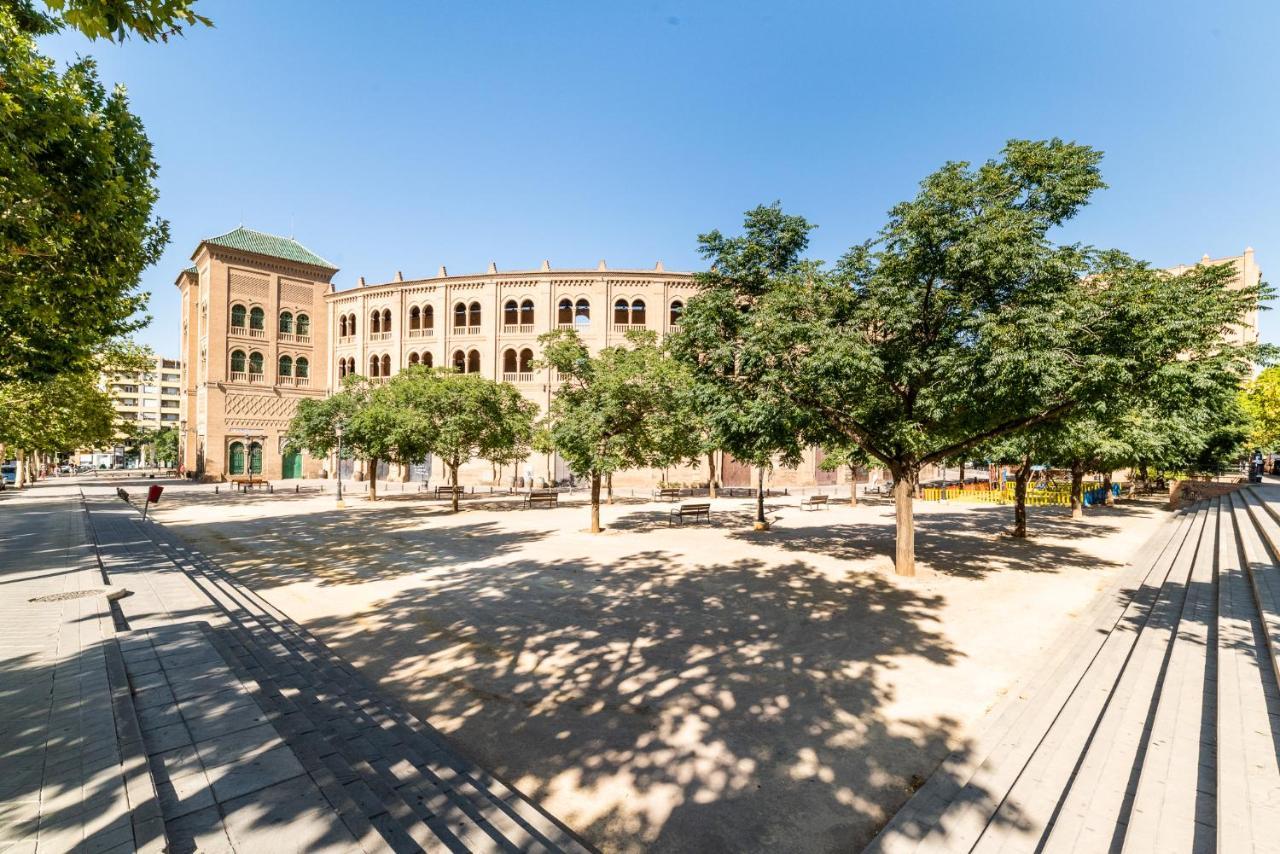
(286,322)
(257,319)
(473,314)
(375,322)
(677,311)
(510,313)
(459,361)
(415,318)
(342,326)
(510,361)
(302,368)
(284,366)
(473,362)
(526,361)
(374,366)
(303,325)
(238,314)
(386,320)
(238,362)
(460,316)
(386,365)
(255,363)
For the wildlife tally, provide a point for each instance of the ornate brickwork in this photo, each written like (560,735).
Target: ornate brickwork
(295,293)
(245,284)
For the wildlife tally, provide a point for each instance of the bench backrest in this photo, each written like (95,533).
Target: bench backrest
(817,499)
(694,508)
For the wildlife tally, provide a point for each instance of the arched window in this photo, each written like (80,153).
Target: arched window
(473,316)
(460,361)
(304,325)
(473,362)
(286,321)
(237,316)
(526,312)
(526,361)
(255,458)
(621,312)
(413,358)
(564,311)
(415,318)
(235,458)
(677,311)
(426,359)
(510,313)
(351,324)
(302,368)
(257,318)
(510,362)
(286,366)
(255,363)
(386,365)
(342,326)
(342,368)
(373,366)
(637,312)
(237,361)
(460,316)
(582,312)
(386,320)
(375,322)
(428,317)
(351,366)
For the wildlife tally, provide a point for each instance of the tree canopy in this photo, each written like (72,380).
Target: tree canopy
(77,193)
(611,410)
(960,323)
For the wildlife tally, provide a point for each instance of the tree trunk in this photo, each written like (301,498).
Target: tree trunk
(608,481)
(20,469)
(595,502)
(1020,479)
(962,472)
(1077,489)
(853,486)
(711,481)
(373,479)
(453,481)
(1107,498)
(904,490)
(760,523)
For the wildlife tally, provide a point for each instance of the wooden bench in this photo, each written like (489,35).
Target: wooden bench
(813,502)
(668,494)
(542,498)
(244,484)
(442,491)
(694,510)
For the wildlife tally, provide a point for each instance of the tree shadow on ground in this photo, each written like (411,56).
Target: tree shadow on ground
(333,547)
(968,543)
(723,706)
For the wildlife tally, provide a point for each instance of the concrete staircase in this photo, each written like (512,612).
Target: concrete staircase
(389,781)
(1156,728)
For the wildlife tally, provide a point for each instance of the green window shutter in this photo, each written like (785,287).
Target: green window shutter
(237,458)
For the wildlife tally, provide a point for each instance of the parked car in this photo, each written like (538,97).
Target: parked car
(9,472)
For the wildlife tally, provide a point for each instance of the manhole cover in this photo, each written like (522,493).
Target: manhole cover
(62,597)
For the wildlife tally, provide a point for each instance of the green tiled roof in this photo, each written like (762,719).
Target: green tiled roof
(192,270)
(260,243)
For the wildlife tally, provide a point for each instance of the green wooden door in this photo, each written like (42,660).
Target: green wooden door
(255,458)
(291,466)
(237,458)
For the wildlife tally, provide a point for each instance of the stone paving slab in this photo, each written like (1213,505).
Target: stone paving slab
(69,772)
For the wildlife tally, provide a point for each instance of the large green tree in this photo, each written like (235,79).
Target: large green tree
(963,322)
(740,389)
(610,410)
(77,192)
(369,422)
(1260,400)
(115,20)
(55,416)
(458,417)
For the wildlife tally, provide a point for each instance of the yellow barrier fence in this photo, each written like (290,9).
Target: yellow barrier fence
(1054,496)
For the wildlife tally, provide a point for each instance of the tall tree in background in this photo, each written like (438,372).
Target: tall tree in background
(962,322)
(458,418)
(740,386)
(609,412)
(849,457)
(1260,401)
(55,416)
(368,420)
(77,192)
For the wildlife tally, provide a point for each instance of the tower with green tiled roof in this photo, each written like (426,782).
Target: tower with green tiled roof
(255,342)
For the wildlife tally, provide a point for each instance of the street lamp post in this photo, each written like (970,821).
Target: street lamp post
(337,431)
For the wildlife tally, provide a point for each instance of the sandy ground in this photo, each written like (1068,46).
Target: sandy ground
(693,689)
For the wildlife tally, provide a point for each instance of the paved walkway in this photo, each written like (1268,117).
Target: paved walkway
(260,738)
(1155,730)
(193,717)
(72,772)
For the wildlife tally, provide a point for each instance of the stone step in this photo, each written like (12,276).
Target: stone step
(1264,575)
(1094,810)
(1032,802)
(1174,805)
(1248,795)
(956,805)
(480,812)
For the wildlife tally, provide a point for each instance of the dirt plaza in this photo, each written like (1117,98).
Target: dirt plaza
(691,688)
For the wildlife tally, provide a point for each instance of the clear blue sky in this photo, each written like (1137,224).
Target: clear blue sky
(404,136)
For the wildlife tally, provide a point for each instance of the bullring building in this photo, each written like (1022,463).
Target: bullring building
(263,328)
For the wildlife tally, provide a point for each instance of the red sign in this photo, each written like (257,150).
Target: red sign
(153,493)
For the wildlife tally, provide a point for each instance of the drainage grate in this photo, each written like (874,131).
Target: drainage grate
(62,597)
